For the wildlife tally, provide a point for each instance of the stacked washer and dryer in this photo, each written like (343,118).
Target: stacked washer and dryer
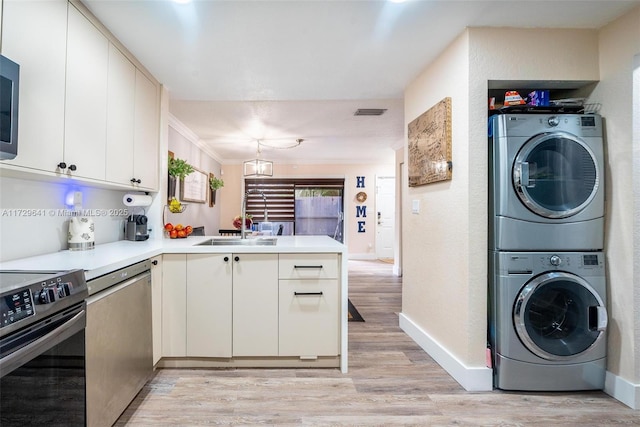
(547,287)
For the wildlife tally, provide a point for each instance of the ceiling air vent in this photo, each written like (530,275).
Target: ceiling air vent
(370,111)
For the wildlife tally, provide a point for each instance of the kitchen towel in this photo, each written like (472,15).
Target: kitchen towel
(136,200)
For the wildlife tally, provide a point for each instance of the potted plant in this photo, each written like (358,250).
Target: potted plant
(214,184)
(178,169)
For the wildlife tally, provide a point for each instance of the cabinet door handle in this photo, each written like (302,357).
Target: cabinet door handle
(307,266)
(136,181)
(62,165)
(226,259)
(72,167)
(236,259)
(307,293)
(154,262)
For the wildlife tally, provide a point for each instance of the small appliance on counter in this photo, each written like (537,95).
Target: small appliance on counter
(81,234)
(136,228)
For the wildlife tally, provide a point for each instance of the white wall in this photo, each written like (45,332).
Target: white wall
(445,246)
(183,145)
(45,230)
(618,43)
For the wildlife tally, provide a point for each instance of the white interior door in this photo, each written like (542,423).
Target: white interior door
(385,215)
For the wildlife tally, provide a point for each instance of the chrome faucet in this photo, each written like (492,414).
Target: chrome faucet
(243,226)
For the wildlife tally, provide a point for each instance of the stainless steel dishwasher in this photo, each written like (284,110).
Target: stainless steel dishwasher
(119,349)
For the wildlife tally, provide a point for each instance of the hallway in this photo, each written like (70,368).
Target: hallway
(391,381)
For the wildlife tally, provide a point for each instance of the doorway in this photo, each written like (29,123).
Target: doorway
(385,216)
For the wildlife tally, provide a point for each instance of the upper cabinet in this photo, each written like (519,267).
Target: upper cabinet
(41,54)
(85,125)
(146,134)
(86,110)
(132,125)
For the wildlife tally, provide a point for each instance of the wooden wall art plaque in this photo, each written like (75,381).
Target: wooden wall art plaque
(430,145)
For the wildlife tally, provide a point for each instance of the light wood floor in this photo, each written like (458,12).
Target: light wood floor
(391,381)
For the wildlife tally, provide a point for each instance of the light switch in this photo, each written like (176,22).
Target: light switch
(415,206)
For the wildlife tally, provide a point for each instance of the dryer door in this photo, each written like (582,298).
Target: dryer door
(555,175)
(559,316)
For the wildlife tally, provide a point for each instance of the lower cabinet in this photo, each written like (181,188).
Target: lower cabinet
(156,306)
(250,305)
(174,305)
(209,295)
(255,305)
(309,305)
(309,320)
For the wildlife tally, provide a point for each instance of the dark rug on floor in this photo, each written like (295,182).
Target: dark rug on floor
(354,316)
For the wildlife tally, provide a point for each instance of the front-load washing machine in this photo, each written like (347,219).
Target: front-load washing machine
(548,320)
(546,182)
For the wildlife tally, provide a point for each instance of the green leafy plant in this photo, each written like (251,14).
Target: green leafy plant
(179,168)
(215,183)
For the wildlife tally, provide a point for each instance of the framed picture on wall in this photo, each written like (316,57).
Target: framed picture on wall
(430,145)
(193,188)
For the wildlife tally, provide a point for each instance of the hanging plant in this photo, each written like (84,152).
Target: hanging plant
(215,183)
(179,168)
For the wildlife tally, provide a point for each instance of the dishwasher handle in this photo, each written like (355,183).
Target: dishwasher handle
(43,343)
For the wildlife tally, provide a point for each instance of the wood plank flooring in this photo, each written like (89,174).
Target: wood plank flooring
(391,381)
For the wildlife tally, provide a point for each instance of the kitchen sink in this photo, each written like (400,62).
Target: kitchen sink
(259,241)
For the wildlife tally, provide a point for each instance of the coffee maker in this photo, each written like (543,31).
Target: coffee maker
(136,228)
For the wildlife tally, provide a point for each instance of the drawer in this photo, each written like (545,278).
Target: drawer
(308,266)
(309,318)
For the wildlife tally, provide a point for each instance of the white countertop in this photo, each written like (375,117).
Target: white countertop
(112,256)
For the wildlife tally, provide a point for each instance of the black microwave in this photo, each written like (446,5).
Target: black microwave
(9,94)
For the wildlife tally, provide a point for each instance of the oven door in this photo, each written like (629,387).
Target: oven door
(42,370)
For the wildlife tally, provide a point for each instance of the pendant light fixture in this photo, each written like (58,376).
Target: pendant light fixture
(258,167)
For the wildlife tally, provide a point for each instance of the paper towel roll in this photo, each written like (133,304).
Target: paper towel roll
(136,200)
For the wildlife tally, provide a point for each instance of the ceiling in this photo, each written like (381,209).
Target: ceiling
(241,71)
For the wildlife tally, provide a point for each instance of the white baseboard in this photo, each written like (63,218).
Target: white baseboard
(397,270)
(363,256)
(472,379)
(622,390)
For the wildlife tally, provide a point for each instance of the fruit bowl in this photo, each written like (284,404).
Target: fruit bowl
(178,231)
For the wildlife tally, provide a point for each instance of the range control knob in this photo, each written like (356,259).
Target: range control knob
(553,121)
(46,296)
(555,260)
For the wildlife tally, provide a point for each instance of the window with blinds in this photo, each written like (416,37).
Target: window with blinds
(278,200)
(280,196)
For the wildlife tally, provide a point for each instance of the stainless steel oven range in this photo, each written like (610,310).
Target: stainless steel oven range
(42,348)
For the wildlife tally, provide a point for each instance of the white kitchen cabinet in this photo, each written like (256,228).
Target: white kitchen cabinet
(34,35)
(255,304)
(146,133)
(174,305)
(309,305)
(209,296)
(86,110)
(132,125)
(86,98)
(120,117)
(156,306)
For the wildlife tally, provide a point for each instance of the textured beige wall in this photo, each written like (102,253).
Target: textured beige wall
(445,247)
(435,242)
(360,245)
(619,42)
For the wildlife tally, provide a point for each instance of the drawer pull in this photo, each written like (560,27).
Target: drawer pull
(307,293)
(307,266)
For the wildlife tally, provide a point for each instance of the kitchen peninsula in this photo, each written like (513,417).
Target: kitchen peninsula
(283,305)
